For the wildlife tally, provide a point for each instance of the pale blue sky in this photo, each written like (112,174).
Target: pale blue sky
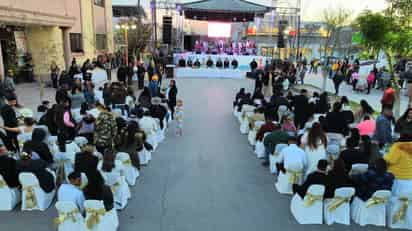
(311,9)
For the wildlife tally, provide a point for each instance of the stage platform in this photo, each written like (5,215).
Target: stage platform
(203,72)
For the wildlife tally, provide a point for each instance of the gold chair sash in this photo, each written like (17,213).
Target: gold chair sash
(127,162)
(30,196)
(94,217)
(294,176)
(2,183)
(338,201)
(115,186)
(310,199)
(400,215)
(65,216)
(376,201)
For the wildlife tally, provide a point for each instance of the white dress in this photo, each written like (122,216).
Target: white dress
(313,155)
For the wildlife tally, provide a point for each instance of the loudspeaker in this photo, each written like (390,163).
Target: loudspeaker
(167,30)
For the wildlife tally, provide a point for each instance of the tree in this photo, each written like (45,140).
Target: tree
(334,20)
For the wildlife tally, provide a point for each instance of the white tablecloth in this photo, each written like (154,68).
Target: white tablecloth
(185,72)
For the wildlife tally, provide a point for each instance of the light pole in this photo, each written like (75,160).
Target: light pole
(126,28)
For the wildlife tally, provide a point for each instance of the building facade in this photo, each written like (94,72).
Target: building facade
(35,33)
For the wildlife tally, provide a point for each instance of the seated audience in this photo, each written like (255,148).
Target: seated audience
(86,162)
(376,178)
(97,190)
(317,177)
(38,168)
(288,125)
(335,120)
(8,168)
(404,125)
(71,191)
(268,126)
(37,144)
(314,143)
(399,160)
(337,178)
(366,127)
(292,158)
(352,155)
(383,132)
(277,136)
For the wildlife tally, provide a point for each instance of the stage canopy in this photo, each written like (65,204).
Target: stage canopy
(223,10)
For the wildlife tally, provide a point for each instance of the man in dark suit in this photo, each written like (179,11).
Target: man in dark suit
(317,177)
(86,162)
(10,120)
(8,168)
(300,104)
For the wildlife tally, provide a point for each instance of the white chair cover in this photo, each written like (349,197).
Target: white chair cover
(33,197)
(401,187)
(252,133)
(273,159)
(9,197)
(260,147)
(400,213)
(120,189)
(371,212)
(309,209)
(106,220)
(337,209)
(69,217)
(286,180)
(52,143)
(358,169)
(64,162)
(130,172)
(81,141)
(144,156)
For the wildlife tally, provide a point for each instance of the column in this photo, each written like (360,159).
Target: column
(66,48)
(1,63)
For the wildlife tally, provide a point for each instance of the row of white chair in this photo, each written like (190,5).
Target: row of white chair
(379,210)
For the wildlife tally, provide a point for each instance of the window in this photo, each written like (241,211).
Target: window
(76,42)
(101,42)
(99,3)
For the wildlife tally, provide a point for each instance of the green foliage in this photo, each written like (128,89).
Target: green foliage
(334,20)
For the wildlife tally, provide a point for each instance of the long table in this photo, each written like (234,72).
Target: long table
(203,72)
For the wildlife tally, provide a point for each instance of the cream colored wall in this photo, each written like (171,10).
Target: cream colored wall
(109,26)
(45,45)
(73,6)
(99,19)
(56,7)
(88,33)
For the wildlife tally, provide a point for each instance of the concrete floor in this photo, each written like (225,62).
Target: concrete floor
(207,180)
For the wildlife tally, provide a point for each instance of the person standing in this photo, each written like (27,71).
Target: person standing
(370,80)
(140,75)
(383,132)
(337,80)
(302,73)
(54,73)
(130,73)
(122,73)
(108,68)
(171,94)
(105,129)
(10,120)
(388,98)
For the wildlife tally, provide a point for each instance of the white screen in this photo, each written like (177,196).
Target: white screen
(219,30)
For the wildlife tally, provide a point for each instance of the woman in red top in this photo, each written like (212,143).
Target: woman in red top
(388,97)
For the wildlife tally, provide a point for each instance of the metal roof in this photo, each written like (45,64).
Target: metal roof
(238,6)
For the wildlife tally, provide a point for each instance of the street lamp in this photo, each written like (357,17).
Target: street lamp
(126,28)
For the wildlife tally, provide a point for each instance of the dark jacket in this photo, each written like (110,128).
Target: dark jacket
(353,156)
(104,194)
(41,149)
(38,168)
(336,181)
(122,73)
(275,138)
(369,182)
(8,171)
(404,128)
(9,116)
(172,96)
(336,123)
(87,163)
(313,178)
